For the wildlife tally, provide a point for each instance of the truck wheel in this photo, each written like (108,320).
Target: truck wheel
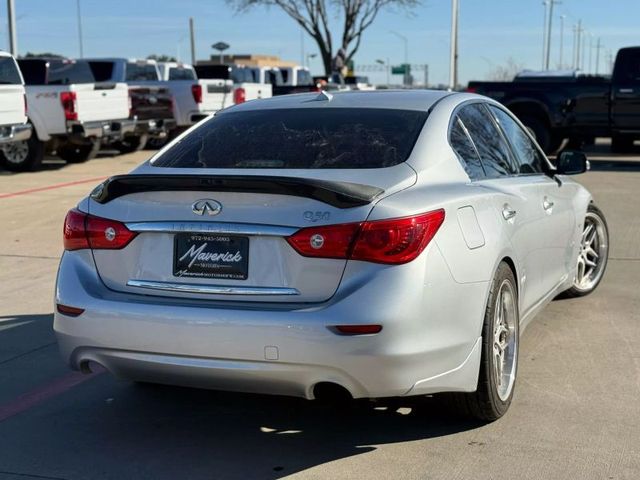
(23,156)
(131,143)
(621,143)
(78,153)
(548,141)
(156,143)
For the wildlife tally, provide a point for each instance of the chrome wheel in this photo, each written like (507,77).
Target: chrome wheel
(592,256)
(16,152)
(505,340)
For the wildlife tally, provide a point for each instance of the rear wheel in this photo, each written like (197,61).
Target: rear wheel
(79,153)
(23,156)
(499,362)
(131,143)
(548,141)
(593,254)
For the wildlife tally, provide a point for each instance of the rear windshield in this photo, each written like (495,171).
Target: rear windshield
(9,74)
(102,70)
(60,72)
(178,73)
(141,71)
(299,138)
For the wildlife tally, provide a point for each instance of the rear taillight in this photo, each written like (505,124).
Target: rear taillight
(394,241)
(239,95)
(196,91)
(471,90)
(86,231)
(68,100)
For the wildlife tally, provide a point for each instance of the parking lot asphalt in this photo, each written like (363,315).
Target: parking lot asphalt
(576,412)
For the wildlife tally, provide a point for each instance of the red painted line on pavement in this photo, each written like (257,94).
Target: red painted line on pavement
(35,397)
(50,187)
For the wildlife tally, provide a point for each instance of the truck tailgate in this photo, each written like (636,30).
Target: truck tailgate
(12,104)
(101,101)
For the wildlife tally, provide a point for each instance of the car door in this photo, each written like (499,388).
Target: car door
(557,232)
(515,198)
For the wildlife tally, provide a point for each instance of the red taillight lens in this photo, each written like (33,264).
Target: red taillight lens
(239,95)
(68,100)
(85,231)
(196,91)
(395,241)
(471,89)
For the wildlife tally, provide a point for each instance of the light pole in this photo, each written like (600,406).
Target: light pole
(598,46)
(388,68)
(405,80)
(562,17)
(545,4)
(79,28)
(13,37)
(550,19)
(453,53)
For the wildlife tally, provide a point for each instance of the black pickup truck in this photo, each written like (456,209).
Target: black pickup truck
(576,107)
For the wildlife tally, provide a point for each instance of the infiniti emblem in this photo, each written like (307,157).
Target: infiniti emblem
(206,206)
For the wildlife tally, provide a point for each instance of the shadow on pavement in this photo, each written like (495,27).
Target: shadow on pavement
(615,165)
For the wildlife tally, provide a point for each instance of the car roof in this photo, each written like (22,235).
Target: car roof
(395,99)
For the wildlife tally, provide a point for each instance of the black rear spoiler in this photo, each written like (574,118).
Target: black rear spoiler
(337,194)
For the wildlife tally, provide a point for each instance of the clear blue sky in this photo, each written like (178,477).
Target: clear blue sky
(491,31)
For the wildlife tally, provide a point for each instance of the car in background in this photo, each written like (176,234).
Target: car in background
(245,85)
(569,105)
(369,245)
(14,128)
(151,102)
(71,114)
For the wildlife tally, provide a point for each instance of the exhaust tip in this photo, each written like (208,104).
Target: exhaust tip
(329,392)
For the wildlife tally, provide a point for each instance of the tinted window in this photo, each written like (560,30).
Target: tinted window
(242,75)
(67,72)
(299,138)
(467,153)
(528,157)
(9,73)
(492,147)
(102,71)
(141,72)
(177,73)
(213,71)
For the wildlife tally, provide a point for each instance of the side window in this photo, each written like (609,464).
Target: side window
(465,149)
(528,157)
(492,147)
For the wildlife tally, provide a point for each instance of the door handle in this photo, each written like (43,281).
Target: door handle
(625,90)
(508,213)
(547,204)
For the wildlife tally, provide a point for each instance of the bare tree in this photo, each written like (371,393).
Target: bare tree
(505,73)
(316,16)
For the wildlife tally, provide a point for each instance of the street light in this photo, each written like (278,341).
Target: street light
(406,55)
(388,65)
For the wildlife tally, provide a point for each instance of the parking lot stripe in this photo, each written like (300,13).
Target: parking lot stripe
(50,187)
(45,392)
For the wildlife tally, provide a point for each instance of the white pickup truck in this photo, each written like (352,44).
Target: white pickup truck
(245,84)
(71,114)
(14,129)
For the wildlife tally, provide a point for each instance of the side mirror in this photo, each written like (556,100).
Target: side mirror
(571,163)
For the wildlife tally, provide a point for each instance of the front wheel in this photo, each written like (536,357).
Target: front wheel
(593,254)
(499,361)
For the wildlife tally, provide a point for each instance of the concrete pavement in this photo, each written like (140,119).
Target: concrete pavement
(576,412)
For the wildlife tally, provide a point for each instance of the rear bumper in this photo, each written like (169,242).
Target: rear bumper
(155,127)
(15,133)
(276,349)
(112,129)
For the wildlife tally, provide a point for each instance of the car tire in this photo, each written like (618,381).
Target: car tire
(131,143)
(500,333)
(23,156)
(621,143)
(79,153)
(594,249)
(548,141)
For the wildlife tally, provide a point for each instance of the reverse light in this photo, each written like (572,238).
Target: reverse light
(239,95)
(68,101)
(196,91)
(393,241)
(83,231)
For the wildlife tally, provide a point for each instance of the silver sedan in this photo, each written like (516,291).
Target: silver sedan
(372,244)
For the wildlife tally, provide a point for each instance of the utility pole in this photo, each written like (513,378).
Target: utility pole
(590,52)
(545,4)
(550,18)
(79,28)
(192,38)
(598,46)
(13,39)
(583,49)
(453,60)
(562,17)
(579,31)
